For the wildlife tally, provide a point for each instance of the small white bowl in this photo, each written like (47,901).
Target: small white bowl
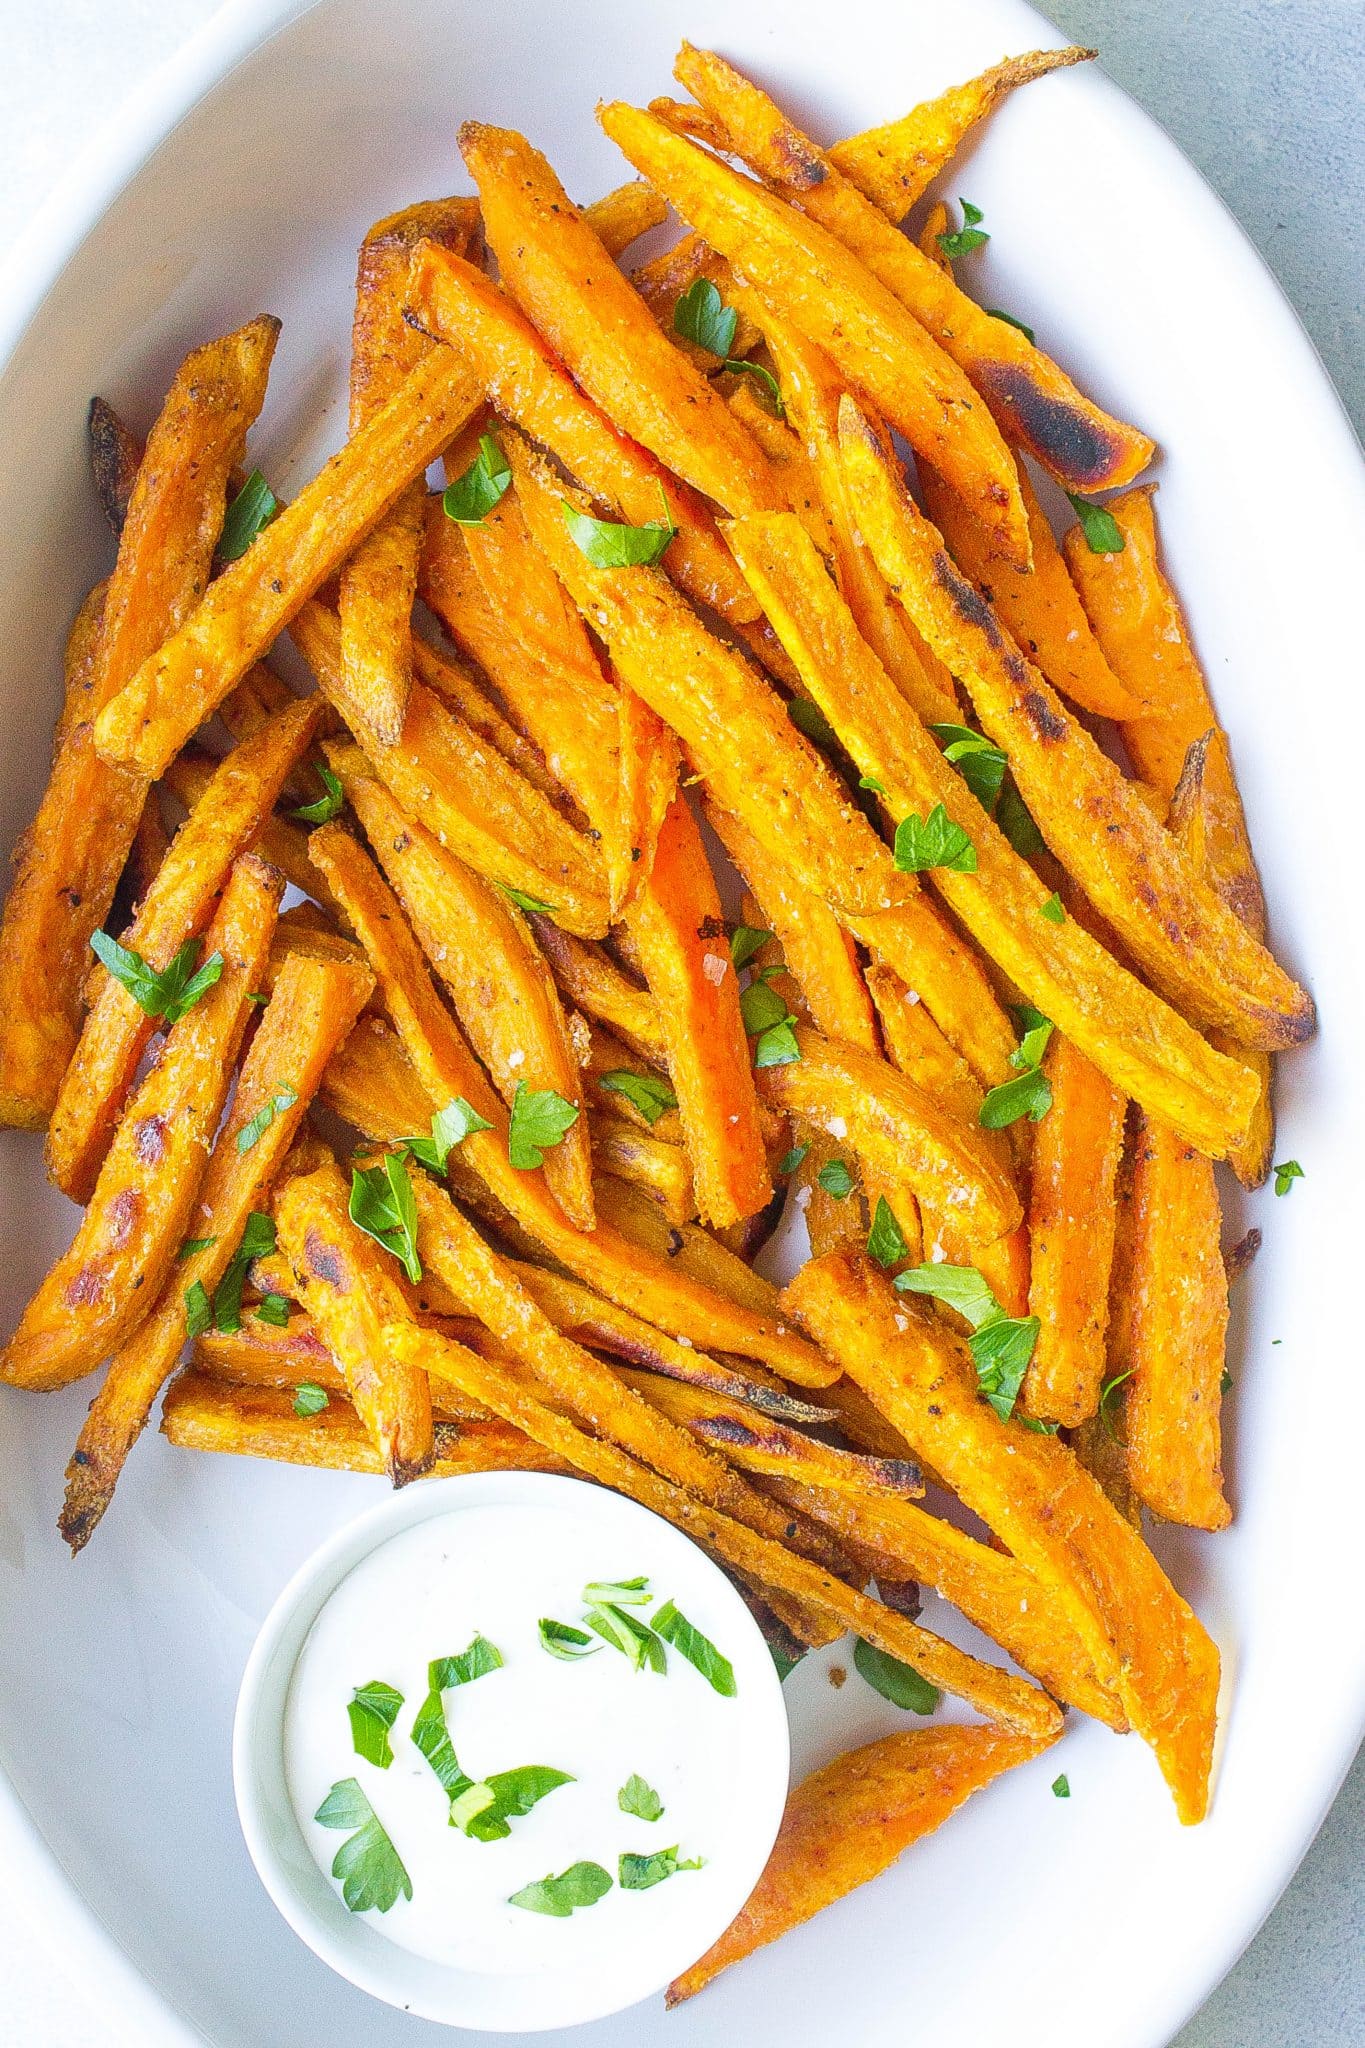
(355,1944)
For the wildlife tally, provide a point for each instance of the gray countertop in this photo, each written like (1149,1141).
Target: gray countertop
(1266,97)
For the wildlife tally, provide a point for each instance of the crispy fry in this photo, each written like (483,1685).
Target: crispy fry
(677,926)
(183,682)
(787,453)
(445,1068)
(1008,1700)
(349,1287)
(625,213)
(279,842)
(1034,401)
(798,266)
(1176,1299)
(482,950)
(312,1009)
(115,458)
(470,798)
(530,386)
(1146,1644)
(1076,1150)
(68,862)
(896,163)
(590,978)
(1144,1048)
(206,1414)
(1179,930)
(455,686)
(175,908)
(266,1355)
(850,1821)
(563,279)
(1040,611)
(1098,1447)
(107,1281)
(660,1169)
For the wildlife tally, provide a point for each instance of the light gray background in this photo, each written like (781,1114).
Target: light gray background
(1267,97)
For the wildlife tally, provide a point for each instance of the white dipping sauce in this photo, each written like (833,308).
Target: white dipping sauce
(495,1571)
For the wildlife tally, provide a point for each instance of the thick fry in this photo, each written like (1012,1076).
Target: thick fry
(67,864)
(469,797)
(563,279)
(310,1012)
(529,386)
(1034,401)
(176,907)
(108,1279)
(454,685)
(279,842)
(1040,611)
(185,680)
(1176,1301)
(896,163)
(678,929)
(349,1286)
(625,213)
(1008,1700)
(661,1170)
(590,978)
(1180,931)
(480,946)
(798,266)
(850,1821)
(1144,1048)
(1076,1150)
(206,1414)
(1144,1641)
(445,1067)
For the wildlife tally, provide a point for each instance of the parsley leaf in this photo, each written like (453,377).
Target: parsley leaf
(871,782)
(284,1098)
(761,1007)
(258,1242)
(372,1710)
(562,1640)
(1053,910)
(449,1127)
(382,1205)
(1015,820)
(1103,535)
(1030,1093)
(640,1799)
(610,545)
(472,496)
(1001,1346)
(462,1669)
(1107,1394)
(430,1733)
(1286,1173)
(273,1309)
(999,313)
(198,1310)
(933,842)
(702,316)
(980,764)
(647,1092)
(506,1796)
(789,1161)
(332,800)
(540,1119)
(253,508)
(897,1682)
(309,1398)
(628,1635)
(698,1649)
(532,905)
(638,1873)
(956,242)
(624,1592)
(193,1245)
(836,1180)
(777,1047)
(885,1240)
(747,941)
(582,1884)
(168,992)
(369,1867)
(1061,1787)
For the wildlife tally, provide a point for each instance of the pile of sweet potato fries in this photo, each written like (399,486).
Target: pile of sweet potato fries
(996,998)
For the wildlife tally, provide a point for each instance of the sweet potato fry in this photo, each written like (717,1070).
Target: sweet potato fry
(115,458)
(1144,1048)
(678,929)
(563,279)
(1179,930)
(106,1282)
(896,163)
(1040,611)
(310,1012)
(900,1129)
(206,1414)
(849,1822)
(1076,1150)
(806,273)
(452,683)
(589,977)
(445,1067)
(348,1285)
(279,842)
(661,1170)
(183,682)
(530,387)
(265,1355)
(625,213)
(68,862)
(469,797)
(176,907)
(1176,1301)
(1034,401)
(482,950)
(994,1693)
(1144,1641)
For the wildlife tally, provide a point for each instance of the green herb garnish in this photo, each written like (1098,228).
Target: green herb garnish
(809,719)
(933,842)
(789,1161)
(1061,1787)
(582,1884)
(1053,910)
(956,242)
(198,1310)
(225,1314)
(273,1309)
(310,1398)
(165,992)
(540,1120)
(474,493)
(383,1206)
(562,1639)
(532,905)
(646,1092)
(284,1098)
(1030,1093)
(638,1873)
(373,1709)
(702,316)
(1286,1173)
(886,1240)
(897,1682)
(1001,1346)
(610,545)
(332,800)
(628,1634)
(640,1799)
(449,1127)
(193,1245)
(999,313)
(836,1180)
(980,764)
(1103,535)
(369,1867)
(746,941)
(253,508)
(698,1649)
